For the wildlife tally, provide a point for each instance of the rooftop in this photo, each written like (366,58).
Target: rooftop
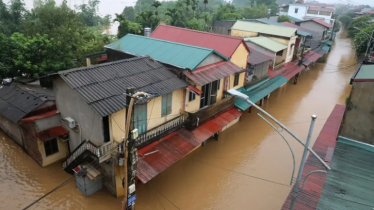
(364,73)
(267,43)
(17,101)
(172,53)
(226,45)
(318,21)
(350,183)
(281,31)
(299,30)
(321,9)
(259,49)
(257,57)
(103,86)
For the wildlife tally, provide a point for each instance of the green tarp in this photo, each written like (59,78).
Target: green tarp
(259,90)
(326,48)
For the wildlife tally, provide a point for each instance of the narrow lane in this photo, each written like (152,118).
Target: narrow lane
(248,168)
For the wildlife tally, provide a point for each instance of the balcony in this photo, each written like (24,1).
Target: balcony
(158,132)
(197,118)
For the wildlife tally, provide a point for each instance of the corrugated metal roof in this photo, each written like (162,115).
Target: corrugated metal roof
(51,133)
(226,45)
(321,9)
(350,183)
(264,28)
(40,116)
(176,54)
(292,69)
(103,86)
(213,72)
(308,198)
(299,31)
(257,57)
(16,100)
(312,56)
(321,22)
(260,49)
(259,90)
(267,43)
(175,146)
(293,19)
(365,72)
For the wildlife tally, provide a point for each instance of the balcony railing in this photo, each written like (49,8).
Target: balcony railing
(160,131)
(199,117)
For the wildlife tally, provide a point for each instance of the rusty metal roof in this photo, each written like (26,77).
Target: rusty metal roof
(103,86)
(51,133)
(257,57)
(40,116)
(318,21)
(292,69)
(160,155)
(226,45)
(16,100)
(212,72)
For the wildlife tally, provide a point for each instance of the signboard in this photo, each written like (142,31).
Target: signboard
(131,200)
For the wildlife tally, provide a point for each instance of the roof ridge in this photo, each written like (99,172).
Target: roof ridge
(203,68)
(203,32)
(266,24)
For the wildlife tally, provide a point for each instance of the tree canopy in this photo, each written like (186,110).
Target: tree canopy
(283,18)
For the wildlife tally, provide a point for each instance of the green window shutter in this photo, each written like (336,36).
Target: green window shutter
(164,105)
(169,103)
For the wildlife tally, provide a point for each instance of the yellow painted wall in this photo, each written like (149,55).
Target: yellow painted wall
(283,41)
(154,109)
(117,122)
(220,91)
(63,152)
(240,56)
(119,173)
(243,33)
(241,81)
(194,105)
(282,58)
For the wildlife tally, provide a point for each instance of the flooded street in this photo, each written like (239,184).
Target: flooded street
(249,167)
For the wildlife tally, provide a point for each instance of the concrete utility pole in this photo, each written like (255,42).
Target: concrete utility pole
(302,164)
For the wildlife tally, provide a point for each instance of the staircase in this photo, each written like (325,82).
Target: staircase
(84,150)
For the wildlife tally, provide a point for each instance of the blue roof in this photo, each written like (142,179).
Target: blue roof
(172,53)
(259,90)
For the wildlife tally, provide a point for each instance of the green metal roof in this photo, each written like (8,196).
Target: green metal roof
(259,90)
(173,53)
(267,43)
(326,48)
(293,19)
(282,31)
(350,183)
(365,72)
(329,43)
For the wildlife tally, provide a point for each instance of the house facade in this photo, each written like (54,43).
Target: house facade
(304,11)
(320,27)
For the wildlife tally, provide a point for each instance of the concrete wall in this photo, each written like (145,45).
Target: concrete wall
(213,58)
(48,122)
(62,153)
(243,34)
(301,12)
(289,43)
(240,56)
(282,58)
(223,27)
(71,104)
(359,115)
(11,129)
(117,124)
(241,81)
(317,28)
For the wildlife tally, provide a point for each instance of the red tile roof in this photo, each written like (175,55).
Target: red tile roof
(321,22)
(209,73)
(226,45)
(51,133)
(309,197)
(194,89)
(40,116)
(160,155)
(321,9)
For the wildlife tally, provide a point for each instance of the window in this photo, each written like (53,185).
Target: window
(51,147)
(312,12)
(296,10)
(236,80)
(324,13)
(219,84)
(166,104)
(191,96)
(280,53)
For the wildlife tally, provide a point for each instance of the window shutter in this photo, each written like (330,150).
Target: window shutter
(169,102)
(164,105)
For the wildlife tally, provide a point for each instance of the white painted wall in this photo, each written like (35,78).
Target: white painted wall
(301,13)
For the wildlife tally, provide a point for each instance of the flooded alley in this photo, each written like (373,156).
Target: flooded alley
(250,167)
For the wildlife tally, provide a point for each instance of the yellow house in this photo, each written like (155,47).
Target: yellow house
(281,34)
(234,48)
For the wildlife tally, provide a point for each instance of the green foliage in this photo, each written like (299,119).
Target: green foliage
(129,13)
(227,12)
(336,26)
(11,16)
(283,18)
(253,12)
(195,24)
(147,19)
(7,52)
(361,40)
(126,26)
(360,23)
(346,18)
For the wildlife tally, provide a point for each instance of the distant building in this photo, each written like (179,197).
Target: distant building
(321,28)
(308,10)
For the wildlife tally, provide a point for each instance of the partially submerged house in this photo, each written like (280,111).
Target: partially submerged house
(93,104)
(28,115)
(278,49)
(321,28)
(284,35)
(258,64)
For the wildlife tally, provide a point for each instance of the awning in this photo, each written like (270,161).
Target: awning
(259,91)
(194,89)
(160,155)
(40,116)
(292,70)
(311,57)
(51,133)
(210,73)
(326,48)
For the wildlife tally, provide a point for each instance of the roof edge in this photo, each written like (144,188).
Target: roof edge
(354,143)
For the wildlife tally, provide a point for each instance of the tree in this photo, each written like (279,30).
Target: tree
(8,49)
(361,39)
(147,19)
(283,18)
(176,19)
(88,13)
(227,12)
(254,12)
(194,4)
(205,3)
(129,13)
(11,17)
(195,24)
(346,18)
(360,23)
(156,4)
(126,26)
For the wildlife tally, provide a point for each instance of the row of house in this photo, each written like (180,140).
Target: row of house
(185,75)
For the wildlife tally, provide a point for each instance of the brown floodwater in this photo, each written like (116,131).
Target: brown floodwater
(248,168)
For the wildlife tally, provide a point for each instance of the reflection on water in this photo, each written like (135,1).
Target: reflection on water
(248,168)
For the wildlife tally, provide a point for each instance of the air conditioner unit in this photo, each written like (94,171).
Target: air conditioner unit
(134,134)
(71,122)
